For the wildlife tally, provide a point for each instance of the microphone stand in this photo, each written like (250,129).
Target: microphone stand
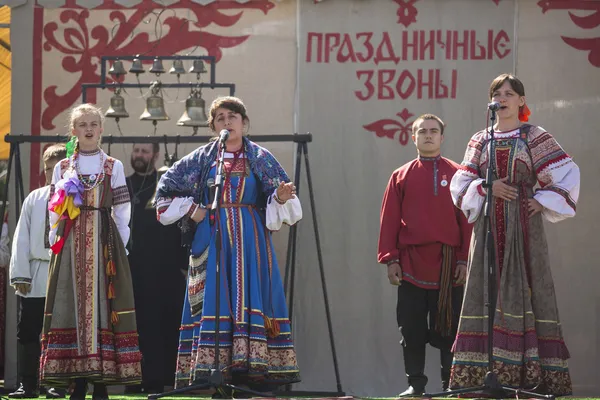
(491,386)
(215,379)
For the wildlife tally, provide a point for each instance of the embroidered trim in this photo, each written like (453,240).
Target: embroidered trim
(121,195)
(20,280)
(91,152)
(435,176)
(436,158)
(412,278)
(563,193)
(191,210)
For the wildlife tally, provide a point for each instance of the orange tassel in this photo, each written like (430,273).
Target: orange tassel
(272,327)
(524,113)
(111,290)
(114,317)
(106,252)
(110,268)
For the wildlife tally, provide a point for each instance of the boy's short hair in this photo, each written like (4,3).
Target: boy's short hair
(56,151)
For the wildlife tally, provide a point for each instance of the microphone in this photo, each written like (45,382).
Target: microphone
(210,183)
(493,106)
(223,136)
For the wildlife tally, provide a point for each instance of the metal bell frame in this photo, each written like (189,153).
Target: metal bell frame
(104,71)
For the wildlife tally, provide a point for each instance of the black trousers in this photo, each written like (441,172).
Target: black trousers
(159,304)
(416,312)
(31,320)
(29,329)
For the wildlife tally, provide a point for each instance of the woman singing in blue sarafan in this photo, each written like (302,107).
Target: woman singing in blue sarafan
(256,346)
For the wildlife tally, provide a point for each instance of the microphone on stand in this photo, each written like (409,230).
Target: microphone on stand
(210,183)
(223,136)
(493,106)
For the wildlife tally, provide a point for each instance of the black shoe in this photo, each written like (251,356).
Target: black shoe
(56,393)
(223,393)
(100,392)
(80,389)
(24,392)
(133,389)
(446,363)
(154,389)
(412,392)
(28,360)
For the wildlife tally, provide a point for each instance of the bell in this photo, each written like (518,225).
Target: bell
(155,106)
(155,110)
(157,67)
(137,67)
(177,68)
(194,114)
(198,67)
(117,68)
(117,107)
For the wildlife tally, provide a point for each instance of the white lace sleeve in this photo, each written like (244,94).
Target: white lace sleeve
(557,175)
(169,211)
(279,214)
(468,194)
(20,269)
(121,212)
(466,185)
(560,196)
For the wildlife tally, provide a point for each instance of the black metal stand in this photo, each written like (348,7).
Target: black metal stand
(491,386)
(290,269)
(15,154)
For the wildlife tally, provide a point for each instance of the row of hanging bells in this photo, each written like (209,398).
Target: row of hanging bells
(137,67)
(193,116)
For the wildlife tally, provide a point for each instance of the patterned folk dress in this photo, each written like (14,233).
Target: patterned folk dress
(89,319)
(255,332)
(528,345)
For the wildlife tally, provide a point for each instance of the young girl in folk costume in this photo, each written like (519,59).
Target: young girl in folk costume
(528,346)
(255,335)
(89,332)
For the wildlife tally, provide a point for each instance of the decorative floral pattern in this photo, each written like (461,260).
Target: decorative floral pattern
(587,22)
(389,127)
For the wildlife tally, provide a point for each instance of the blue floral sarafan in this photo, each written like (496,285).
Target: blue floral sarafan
(255,332)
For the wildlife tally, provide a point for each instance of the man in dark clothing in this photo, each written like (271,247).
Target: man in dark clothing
(158,266)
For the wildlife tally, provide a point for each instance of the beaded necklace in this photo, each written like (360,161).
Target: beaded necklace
(92,181)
